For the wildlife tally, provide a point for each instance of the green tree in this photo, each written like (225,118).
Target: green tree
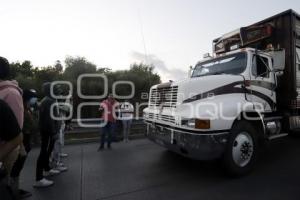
(75,66)
(25,69)
(58,66)
(30,77)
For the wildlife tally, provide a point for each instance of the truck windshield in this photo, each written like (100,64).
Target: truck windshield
(232,64)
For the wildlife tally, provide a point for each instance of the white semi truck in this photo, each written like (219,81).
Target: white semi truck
(247,93)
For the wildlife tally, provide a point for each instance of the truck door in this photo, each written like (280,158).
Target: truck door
(262,83)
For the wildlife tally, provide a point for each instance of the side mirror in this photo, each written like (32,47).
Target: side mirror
(278,60)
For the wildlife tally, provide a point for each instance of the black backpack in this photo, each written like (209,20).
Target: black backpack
(9,127)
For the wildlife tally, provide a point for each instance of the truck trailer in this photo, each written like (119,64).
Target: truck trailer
(245,95)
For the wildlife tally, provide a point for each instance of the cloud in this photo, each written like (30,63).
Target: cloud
(159,66)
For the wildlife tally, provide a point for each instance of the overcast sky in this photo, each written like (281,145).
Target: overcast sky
(174,34)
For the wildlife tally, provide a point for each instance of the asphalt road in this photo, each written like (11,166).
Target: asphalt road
(142,170)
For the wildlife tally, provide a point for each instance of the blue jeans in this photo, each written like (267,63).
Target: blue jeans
(107,133)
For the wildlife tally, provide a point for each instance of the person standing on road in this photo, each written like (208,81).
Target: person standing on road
(108,107)
(59,142)
(48,130)
(29,127)
(11,94)
(126,116)
(67,123)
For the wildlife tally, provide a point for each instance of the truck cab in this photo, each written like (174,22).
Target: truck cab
(231,103)
(194,117)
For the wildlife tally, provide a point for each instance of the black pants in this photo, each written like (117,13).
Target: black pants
(19,164)
(107,131)
(47,145)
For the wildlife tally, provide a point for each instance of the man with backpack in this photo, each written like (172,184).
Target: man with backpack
(11,123)
(12,95)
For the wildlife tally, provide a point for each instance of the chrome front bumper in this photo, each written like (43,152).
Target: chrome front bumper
(199,145)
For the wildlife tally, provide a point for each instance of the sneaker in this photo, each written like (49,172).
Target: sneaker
(51,172)
(61,168)
(24,194)
(43,183)
(63,155)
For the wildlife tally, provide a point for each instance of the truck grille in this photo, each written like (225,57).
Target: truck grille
(165,97)
(165,118)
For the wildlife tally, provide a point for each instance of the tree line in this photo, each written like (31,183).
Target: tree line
(31,77)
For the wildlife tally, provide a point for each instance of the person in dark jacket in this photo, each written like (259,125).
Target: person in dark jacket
(48,130)
(29,127)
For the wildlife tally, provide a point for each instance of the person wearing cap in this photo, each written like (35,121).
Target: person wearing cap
(29,127)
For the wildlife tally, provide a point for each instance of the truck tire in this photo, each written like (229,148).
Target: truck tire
(242,149)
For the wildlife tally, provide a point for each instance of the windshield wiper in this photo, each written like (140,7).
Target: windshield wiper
(209,74)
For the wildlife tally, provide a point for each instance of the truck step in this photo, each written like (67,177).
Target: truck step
(278,136)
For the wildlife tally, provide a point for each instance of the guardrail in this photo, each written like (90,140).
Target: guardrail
(80,134)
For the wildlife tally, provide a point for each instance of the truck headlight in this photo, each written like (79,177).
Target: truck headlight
(145,115)
(191,123)
(196,123)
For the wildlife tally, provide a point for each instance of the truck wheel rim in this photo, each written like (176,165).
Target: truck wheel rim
(242,149)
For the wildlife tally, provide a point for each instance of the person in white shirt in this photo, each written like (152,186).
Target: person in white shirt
(126,116)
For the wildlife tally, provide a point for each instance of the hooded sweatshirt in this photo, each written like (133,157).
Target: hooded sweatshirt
(12,95)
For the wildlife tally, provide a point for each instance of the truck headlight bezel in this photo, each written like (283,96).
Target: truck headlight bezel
(196,123)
